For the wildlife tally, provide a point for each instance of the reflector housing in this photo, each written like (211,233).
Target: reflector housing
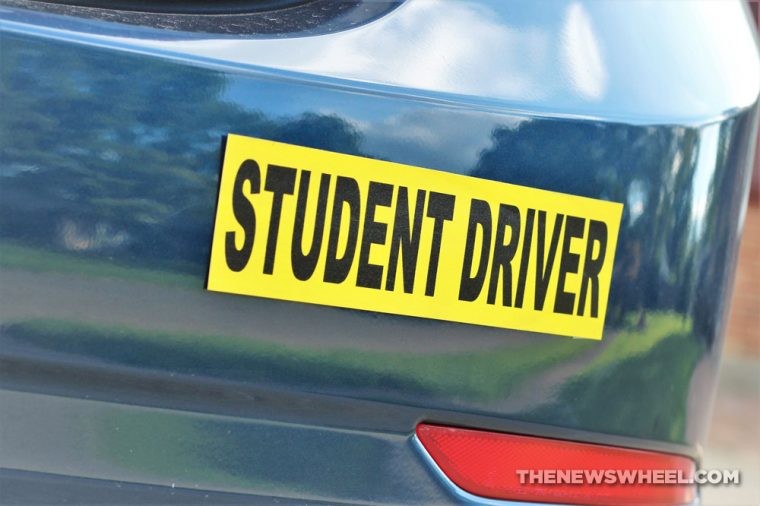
(487,464)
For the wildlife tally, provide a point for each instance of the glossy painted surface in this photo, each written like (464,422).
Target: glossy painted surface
(118,365)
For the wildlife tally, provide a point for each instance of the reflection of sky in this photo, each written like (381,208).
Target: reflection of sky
(582,55)
(636,200)
(453,46)
(707,157)
(644,61)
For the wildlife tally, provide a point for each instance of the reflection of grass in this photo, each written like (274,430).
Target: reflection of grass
(637,386)
(488,374)
(634,341)
(13,256)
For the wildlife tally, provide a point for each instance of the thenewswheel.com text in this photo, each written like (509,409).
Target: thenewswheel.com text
(627,477)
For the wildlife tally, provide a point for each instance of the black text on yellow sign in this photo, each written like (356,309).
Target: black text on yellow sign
(307,225)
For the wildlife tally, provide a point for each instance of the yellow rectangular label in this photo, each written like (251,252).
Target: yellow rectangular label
(308,225)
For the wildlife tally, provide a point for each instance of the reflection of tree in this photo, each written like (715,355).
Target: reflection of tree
(654,261)
(727,193)
(132,177)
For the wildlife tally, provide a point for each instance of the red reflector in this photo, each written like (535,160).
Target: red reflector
(487,464)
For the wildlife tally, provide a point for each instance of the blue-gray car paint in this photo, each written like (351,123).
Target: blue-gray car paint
(119,370)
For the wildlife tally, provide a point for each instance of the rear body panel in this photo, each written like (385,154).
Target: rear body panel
(117,365)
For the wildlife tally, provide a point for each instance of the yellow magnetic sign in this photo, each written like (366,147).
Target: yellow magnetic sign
(308,225)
